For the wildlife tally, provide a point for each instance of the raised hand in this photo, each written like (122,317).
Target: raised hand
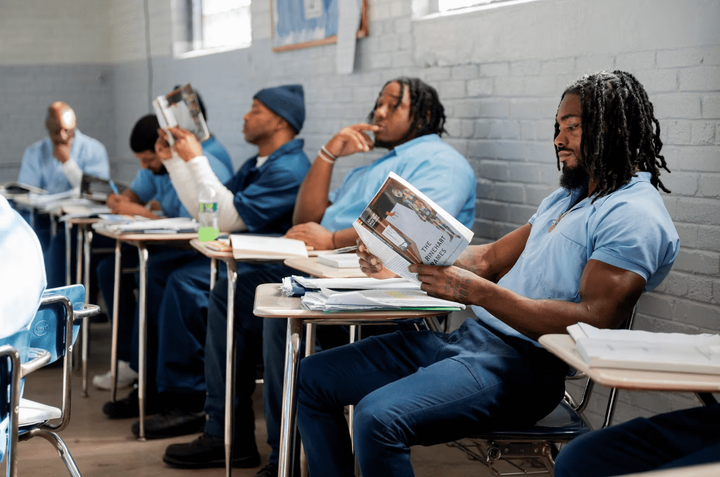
(351,139)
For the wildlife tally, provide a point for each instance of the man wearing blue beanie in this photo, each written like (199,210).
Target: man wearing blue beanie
(258,199)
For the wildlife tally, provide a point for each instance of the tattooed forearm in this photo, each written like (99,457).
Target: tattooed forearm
(458,288)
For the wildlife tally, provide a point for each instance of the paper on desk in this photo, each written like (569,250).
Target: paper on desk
(173,225)
(646,350)
(298,286)
(386,299)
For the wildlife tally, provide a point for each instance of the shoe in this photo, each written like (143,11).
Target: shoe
(129,407)
(270,470)
(207,451)
(126,377)
(171,423)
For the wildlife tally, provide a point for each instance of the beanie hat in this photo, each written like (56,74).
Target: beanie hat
(287,101)
(144,134)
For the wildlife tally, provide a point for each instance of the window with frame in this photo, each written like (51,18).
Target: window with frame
(209,26)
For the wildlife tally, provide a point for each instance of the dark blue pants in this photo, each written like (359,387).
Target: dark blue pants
(182,321)
(248,339)
(419,388)
(664,441)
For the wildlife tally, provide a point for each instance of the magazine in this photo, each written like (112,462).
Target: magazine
(181,108)
(402,226)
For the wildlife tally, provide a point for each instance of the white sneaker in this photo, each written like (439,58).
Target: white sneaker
(126,377)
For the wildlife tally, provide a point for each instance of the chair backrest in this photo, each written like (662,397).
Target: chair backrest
(9,405)
(49,328)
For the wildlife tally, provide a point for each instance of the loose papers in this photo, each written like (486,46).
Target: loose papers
(645,350)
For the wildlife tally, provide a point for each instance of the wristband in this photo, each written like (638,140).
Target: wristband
(327,159)
(328,153)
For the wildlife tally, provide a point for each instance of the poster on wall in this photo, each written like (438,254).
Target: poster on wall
(304,23)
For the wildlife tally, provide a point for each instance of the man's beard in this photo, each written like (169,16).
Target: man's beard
(574,177)
(160,172)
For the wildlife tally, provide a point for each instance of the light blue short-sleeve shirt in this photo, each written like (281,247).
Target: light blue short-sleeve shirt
(629,229)
(427,162)
(40,169)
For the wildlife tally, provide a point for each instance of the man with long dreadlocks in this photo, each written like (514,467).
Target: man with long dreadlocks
(586,255)
(408,119)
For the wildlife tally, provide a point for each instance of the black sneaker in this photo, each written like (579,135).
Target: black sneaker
(270,470)
(171,423)
(129,406)
(207,451)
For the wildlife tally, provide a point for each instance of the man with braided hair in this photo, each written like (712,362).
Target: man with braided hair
(586,255)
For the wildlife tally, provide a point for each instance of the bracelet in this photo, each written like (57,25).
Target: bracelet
(333,239)
(328,153)
(321,155)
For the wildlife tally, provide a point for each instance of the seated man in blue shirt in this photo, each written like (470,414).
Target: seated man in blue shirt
(408,119)
(670,440)
(258,199)
(56,164)
(587,254)
(151,195)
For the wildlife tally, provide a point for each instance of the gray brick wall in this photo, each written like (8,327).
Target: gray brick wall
(500,73)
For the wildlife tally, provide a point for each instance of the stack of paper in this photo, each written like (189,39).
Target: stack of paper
(406,296)
(339,260)
(298,286)
(645,350)
(121,224)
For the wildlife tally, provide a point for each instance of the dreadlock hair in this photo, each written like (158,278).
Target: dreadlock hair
(426,110)
(617,130)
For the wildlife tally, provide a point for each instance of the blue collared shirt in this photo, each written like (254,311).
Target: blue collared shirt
(427,162)
(40,169)
(148,186)
(629,229)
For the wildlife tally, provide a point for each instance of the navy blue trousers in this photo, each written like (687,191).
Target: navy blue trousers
(664,441)
(419,388)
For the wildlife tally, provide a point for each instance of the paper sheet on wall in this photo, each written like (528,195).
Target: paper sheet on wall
(348,24)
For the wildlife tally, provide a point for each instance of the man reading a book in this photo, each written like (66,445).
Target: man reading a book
(586,255)
(258,199)
(152,195)
(408,119)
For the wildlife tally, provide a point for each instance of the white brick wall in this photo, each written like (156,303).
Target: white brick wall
(499,72)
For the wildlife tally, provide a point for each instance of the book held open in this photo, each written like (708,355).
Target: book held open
(181,108)
(402,226)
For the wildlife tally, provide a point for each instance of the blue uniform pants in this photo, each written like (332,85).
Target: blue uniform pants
(248,340)
(419,388)
(182,320)
(664,441)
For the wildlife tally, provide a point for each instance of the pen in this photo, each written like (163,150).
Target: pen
(352,248)
(114,187)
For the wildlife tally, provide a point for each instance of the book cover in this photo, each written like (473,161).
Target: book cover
(262,247)
(181,108)
(402,226)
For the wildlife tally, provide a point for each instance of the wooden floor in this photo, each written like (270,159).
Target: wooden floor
(106,448)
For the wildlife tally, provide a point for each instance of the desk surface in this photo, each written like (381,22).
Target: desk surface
(200,247)
(312,266)
(563,346)
(271,302)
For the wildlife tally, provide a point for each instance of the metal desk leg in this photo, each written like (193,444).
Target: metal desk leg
(87,239)
(213,272)
(287,427)
(68,253)
(309,349)
(230,365)
(142,326)
(115,325)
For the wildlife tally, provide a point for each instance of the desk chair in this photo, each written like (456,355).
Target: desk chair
(10,386)
(50,337)
(532,450)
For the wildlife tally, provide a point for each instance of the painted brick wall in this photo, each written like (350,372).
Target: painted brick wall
(500,72)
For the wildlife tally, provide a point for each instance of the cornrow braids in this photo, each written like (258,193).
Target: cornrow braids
(617,130)
(426,110)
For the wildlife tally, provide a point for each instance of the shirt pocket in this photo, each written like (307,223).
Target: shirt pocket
(564,262)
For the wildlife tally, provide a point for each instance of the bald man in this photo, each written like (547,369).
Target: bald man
(57,163)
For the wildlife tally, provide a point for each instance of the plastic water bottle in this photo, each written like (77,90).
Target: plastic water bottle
(208,214)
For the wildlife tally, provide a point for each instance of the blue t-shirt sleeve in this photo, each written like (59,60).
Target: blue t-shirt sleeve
(646,245)
(93,159)
(30,172)
(143,186)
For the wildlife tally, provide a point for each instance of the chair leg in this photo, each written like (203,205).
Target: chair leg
(61,449)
